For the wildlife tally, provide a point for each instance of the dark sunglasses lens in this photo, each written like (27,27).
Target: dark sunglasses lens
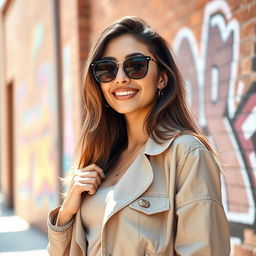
(136,68)
(105,71)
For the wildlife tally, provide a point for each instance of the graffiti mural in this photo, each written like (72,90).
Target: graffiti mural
(36,135)
(226,113)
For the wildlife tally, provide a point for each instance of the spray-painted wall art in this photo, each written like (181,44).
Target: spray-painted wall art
(36,134)
(225,108)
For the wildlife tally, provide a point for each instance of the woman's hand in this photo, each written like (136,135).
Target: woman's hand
(88,180)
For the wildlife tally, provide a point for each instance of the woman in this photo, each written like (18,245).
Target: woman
(147,182)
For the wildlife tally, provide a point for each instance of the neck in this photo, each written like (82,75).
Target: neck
(137,136)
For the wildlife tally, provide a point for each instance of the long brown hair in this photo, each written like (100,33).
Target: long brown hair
(104,134)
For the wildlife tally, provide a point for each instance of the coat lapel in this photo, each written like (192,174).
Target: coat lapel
(135,181)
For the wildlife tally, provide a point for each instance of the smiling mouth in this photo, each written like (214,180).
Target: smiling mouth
(125,94)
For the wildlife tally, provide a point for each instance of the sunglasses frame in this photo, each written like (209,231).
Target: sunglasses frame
(147,59)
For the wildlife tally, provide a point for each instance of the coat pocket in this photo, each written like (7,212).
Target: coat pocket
(151,204)
(150,213)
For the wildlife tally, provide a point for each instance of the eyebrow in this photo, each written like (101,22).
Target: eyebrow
(126,57)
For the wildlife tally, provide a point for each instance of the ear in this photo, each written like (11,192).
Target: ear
(162,80)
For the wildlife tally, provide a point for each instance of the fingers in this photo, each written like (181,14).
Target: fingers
(90,188)
(88,179)
(94,167)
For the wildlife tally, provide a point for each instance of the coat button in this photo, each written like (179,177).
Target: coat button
(144,203)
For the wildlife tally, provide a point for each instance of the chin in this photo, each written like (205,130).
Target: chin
(124,111)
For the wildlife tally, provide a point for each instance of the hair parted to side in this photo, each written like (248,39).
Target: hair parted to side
(104,134)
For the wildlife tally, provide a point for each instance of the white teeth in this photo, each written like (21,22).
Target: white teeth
(125,93)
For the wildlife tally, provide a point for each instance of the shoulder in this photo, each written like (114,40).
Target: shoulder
(193,157)
(189,148)
(186,143)
(196,169)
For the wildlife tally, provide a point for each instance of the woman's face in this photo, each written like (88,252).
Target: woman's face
(125,95)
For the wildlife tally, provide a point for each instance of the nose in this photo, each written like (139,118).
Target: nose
(121,77)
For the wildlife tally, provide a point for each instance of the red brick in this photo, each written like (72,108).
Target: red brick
(253,9)
(184,11)
(234,4)
(248,30)
(246,1)
(246,48)
(196,19)
(243,15)
(199,4)
(246,66)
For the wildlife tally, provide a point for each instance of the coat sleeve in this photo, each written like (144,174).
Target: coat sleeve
(202,227)
(59,236)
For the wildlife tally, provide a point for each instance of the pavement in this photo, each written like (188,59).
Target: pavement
(18,238)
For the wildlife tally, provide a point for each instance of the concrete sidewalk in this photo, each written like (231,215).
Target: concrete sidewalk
(17,238)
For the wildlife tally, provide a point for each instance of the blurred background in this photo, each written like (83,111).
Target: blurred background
(43,47)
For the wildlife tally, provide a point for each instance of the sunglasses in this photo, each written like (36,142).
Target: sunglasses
(105,71)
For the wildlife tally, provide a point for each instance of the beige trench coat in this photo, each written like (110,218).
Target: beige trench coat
(168,203)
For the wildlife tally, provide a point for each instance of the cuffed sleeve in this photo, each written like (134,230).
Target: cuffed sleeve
(202,227)
(59,236)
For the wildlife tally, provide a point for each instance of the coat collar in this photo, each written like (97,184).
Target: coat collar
(135,182)
(152,148)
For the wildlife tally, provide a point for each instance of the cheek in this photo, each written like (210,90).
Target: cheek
(104,90)
(151,84)
(106,94)
(152,78)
